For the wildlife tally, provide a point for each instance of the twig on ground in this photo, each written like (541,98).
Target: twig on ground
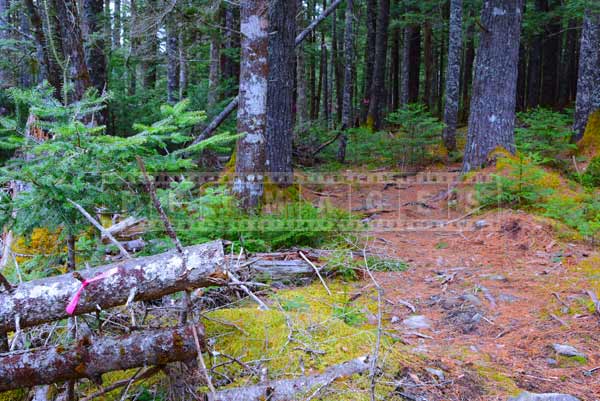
(100,228)
(261,304)
(379,327)
(139,375)
(316,271)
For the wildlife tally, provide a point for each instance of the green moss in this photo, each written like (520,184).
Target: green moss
(571,361)
(14,395)
(495,380)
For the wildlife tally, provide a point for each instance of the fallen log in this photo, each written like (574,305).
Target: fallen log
(284,390)
(121,227)
(92,357)
(152,277)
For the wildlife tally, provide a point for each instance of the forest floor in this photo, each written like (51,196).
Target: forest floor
(493,297)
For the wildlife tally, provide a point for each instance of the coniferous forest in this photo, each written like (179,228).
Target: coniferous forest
(299,200)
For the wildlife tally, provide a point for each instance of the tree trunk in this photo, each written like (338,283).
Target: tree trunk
(280,90)
(534,73)
(6,79)
(369,59)
(69,23)
(588,83)
(377,101)
(213,70)
(230,67)
(92,357)
(568,81)
(50,65)
(428,61)
(26,73)
(302,114)
(149,49)
(469,59)
(252,110)
(183,77)
(453,75)
(151,277)
(325,80)
(396,67)
(172,59)
(348,79)
(414,63)
(96,58)
(116,31)
(134,43)
(338,68)
(492,116)
(551,58)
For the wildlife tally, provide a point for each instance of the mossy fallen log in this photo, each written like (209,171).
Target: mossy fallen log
(148,278)
(91,357)
(283,390)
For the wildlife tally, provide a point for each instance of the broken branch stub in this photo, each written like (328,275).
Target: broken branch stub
(152,277)
(92,357)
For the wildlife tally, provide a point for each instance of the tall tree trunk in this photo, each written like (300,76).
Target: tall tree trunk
(414,63)
(378,88)
(183,77)
(213,70)
(428,61)
(369,59)
(302,114)
(134,49)
(534,73)
(568,65)
(325,79)
(469,59)
(72,37)
(551,58)
(172,59)
(280,91)
(348,79)
(492,117)
(50,65)
(26,73)
(96,58)
(453,75)
(405,73)
(150,51)
(522,78)
(5,75)
(395,68)
(116,31)
(229,66)
(252,109)
(338,68)
(588,83)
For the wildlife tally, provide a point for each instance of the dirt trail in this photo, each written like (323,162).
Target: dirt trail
(496,293)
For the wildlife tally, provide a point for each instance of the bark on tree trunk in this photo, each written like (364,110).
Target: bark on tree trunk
(92,357)
(26,71)
(213,71)
(6,79)
(50,65)
(72,38)
(414,63)
(116,31)
(96,59)
(183,80)
(252,111)
(453,75)
(588,83)
(377,101)
(348,79)
(396,66)
(468,72)
(369,59)
(280,90)
(492,117)
(301,78)
(534,73)
(551,58)
(45,300)
(325,80)
(428,61)
(569,66)
(338,68)
(172,59)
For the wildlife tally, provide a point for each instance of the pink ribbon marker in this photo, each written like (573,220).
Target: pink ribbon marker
(75,300)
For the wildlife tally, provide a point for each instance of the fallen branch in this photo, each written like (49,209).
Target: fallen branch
(140,375)
(152,277)
(90,358)
(284,390)
(123,225)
